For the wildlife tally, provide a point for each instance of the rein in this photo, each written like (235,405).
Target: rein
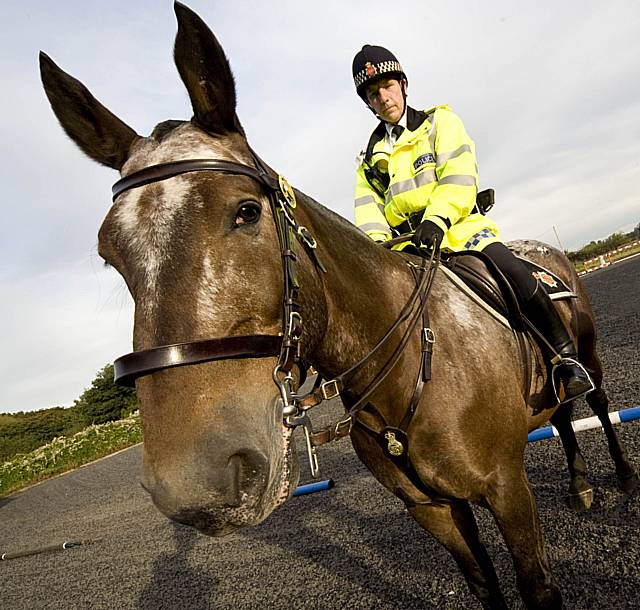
(287,346)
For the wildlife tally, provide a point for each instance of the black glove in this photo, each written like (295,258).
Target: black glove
(428,234)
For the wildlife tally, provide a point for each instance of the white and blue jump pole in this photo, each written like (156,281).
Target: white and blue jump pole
(616,417)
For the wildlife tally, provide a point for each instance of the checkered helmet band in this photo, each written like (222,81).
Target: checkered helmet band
(372,62)
(372,70)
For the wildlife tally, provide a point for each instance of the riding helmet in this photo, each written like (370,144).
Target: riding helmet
(373,62)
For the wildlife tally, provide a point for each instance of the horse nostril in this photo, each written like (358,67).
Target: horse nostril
(234,470)
(246,477)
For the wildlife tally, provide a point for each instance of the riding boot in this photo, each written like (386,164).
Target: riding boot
(541,312)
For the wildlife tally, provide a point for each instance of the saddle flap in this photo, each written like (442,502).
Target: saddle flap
(478,272)
(473,269)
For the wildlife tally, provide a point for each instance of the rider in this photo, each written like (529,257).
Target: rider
(419,173)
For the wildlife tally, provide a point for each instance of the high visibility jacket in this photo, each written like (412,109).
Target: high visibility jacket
(430,173)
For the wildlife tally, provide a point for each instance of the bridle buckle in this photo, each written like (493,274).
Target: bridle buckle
(330,389)
(294,329)
(338,430)
(428,336)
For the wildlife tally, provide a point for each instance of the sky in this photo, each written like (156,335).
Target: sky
(548,90)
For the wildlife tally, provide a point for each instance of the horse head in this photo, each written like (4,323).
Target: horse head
(200,254)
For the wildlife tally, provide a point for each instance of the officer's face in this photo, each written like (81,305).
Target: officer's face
(385,97)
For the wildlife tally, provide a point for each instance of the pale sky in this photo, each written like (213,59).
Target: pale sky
(548,90)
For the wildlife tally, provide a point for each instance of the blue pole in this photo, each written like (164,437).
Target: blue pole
(616,417)
(542,433)
(629,414)
(310,488)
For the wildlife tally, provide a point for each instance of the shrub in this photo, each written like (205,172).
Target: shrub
(105,401)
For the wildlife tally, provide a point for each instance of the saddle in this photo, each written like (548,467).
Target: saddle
(481,276)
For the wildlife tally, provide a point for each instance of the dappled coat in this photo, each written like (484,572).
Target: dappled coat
(429,173)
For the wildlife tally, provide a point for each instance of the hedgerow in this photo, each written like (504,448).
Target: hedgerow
(67,452)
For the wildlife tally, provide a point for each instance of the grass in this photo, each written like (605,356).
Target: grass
(66,453)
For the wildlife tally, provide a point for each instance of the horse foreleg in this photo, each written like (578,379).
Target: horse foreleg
(454,526)
(514,509)
(627,477)
(580,491)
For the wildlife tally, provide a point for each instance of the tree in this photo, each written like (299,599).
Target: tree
(105,401)
(24,432)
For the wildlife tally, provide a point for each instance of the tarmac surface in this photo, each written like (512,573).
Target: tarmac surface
(350,547)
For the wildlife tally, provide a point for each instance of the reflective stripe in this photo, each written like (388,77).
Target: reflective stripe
(374,226)
(426,176)
(364,200)
(444,157)
(459,180)
(368,199)
(432,134)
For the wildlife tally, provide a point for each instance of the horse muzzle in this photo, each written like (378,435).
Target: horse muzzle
(219,500)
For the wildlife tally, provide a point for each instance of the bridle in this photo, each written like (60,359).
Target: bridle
(287,346)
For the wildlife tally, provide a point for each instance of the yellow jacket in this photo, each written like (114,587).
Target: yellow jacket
(430,170)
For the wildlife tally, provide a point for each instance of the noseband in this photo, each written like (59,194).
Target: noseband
(287,346)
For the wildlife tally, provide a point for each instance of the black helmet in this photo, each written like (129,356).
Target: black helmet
(372,62)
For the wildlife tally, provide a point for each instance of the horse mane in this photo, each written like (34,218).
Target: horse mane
(162,130)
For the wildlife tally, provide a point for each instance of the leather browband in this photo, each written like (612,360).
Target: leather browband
(129,367)
(175,168)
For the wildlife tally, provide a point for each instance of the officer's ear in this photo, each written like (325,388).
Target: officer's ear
(405,86)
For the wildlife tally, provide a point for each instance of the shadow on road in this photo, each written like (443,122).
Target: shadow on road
(5,501)
(174,580)
(362,561)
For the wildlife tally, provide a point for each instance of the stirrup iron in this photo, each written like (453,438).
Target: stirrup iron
(559,363)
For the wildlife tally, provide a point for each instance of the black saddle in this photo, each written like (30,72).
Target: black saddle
(484,278)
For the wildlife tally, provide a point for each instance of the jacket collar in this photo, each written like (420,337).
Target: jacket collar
(415,118)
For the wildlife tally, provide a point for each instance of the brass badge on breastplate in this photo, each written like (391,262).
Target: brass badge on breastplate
(394,446)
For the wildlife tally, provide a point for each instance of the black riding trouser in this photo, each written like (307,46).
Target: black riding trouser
(514,269)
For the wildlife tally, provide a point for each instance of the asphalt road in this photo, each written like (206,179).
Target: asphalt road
(351,547)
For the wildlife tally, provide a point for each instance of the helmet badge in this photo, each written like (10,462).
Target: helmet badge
(370,69)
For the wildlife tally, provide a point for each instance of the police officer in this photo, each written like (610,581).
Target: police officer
(419,173)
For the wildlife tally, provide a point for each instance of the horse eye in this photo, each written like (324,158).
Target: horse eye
(248,213)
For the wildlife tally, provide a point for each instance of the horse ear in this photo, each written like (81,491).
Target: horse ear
(97,131)
(205,72)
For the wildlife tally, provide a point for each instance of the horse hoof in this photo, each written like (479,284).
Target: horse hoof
(581,501)
(629,483)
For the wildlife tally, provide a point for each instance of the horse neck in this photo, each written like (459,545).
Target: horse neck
(364,289)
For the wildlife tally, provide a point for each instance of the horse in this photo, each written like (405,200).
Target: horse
(239,281)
